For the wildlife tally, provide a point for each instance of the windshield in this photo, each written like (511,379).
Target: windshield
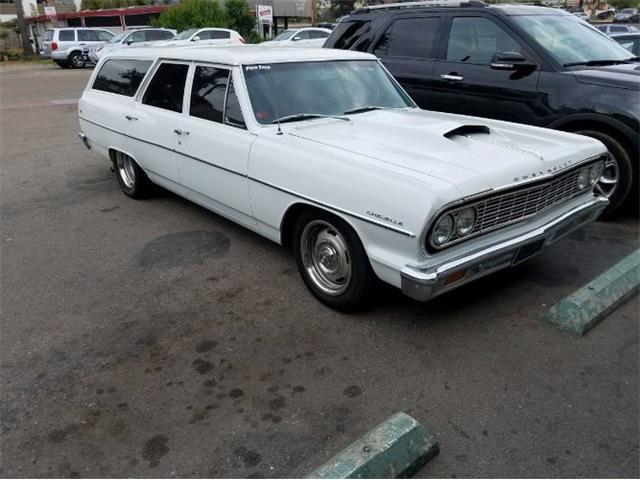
(118,38)
(281,90)
(286,35)
(186,34)
(570,40)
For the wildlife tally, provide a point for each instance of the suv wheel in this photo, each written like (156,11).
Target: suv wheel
(617,178)
(76,60)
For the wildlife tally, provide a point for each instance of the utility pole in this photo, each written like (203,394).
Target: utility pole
(27,49)
(314,12)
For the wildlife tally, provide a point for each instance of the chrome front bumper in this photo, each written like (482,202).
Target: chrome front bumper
(426,282)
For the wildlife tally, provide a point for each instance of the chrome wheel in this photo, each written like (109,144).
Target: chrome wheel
(608,182)
(325,257)
(125,169)
(77,61)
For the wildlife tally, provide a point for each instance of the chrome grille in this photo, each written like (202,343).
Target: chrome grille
(501,209)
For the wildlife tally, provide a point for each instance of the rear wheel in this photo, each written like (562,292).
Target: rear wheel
(76,60)
(332,261)
(132,179)
(617,177)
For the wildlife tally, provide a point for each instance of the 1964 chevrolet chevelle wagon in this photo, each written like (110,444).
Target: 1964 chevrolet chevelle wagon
(322,151)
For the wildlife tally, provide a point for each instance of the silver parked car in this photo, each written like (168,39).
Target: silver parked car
(128,38)
(65,45)
(611,29)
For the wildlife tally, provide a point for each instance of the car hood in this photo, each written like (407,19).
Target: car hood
(620,76)
(472,154)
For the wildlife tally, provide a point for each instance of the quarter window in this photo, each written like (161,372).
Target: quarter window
(476,40)
(66,35)
(166,88)
(233,113)
(122,77)
(208,93)
(409,37)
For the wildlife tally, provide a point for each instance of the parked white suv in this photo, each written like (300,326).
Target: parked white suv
(205,36)
(136,37)
(65,45)
(322,150)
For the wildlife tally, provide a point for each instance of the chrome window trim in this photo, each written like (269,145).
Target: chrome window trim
(494,191)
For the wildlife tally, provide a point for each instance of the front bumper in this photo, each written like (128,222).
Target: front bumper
(423,282)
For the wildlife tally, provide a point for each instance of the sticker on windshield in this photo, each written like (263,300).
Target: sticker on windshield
(257,67)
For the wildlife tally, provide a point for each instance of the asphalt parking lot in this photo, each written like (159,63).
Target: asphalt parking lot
(155,339)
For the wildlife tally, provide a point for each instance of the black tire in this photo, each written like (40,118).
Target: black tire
(362,280)
(61,64)
(131,178)
(76,60)
(626,172)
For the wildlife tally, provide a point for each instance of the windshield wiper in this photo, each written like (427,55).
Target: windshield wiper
(305,116)
(368,108)
(599,63)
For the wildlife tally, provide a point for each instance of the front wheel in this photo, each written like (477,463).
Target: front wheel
(332,261)
(617,178)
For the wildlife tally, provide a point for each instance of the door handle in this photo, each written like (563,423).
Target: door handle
(181,132)
(452,77)
(130,118)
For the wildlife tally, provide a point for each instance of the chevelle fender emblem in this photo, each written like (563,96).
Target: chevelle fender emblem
(384,218)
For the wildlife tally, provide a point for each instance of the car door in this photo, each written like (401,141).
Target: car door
(407,47)
(215,144)
(156,121)
(66,39)
(466,82)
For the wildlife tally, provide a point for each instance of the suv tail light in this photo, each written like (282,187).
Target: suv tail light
(54,46)
(242,40)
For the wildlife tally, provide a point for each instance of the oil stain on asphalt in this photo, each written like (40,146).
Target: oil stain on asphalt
(183,248)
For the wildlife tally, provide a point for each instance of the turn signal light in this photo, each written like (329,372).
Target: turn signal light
(455,277)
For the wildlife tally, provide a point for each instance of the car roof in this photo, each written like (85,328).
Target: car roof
(239,54)
(506,8)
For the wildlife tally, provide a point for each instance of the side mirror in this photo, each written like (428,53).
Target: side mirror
(295,39)
(129,42)
(195,39)
(510,61)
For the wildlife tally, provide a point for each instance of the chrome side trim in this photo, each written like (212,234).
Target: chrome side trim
(262,182)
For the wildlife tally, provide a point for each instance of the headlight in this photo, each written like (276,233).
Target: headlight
(442,231)
(595,173)
(465,221)
(583,178)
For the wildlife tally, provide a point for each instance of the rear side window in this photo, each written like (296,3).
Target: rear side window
(409,37)
(208,92)
(67,35)
(88,36)
(48,35)
(318,34)
(618,29)
(152,35)
(166,89)
(122,77)
(214,35)
(348,34)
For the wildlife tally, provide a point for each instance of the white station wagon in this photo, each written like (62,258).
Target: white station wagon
(322,151)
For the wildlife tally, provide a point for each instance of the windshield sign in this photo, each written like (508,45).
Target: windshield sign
(311,90)
(570,40)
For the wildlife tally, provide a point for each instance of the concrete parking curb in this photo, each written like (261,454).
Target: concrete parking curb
(581,311)
(396,448)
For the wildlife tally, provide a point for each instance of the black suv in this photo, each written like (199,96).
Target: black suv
(519,63)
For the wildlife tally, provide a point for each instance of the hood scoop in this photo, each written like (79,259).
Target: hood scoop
(464,130)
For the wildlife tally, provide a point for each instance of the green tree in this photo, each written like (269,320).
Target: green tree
(620,4)
(240,18)
(193,14)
